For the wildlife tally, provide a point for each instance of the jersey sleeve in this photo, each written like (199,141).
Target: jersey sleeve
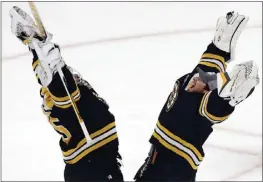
(213,60)
(58,92)
(56,89)
(216,109)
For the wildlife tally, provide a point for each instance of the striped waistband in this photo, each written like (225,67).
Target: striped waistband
(177,145)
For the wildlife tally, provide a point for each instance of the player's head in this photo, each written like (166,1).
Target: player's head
(202,82)
(197,85)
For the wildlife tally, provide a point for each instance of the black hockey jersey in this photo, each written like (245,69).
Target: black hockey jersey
(186,119)
(94,111)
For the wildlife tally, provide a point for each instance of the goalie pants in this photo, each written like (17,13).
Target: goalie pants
(158,167)
(87,170)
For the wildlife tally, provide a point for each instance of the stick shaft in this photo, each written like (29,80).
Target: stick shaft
(41,27)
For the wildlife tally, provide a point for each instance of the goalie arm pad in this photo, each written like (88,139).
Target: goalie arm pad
(56,88)
(215,108)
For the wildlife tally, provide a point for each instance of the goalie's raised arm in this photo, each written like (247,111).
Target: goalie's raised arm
(222,49)
(46,55)
(89,140)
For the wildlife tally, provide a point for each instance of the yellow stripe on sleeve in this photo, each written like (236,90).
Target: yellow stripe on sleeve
(213,117)
(35,64)
(67,105)
(65,98)
(201,105)
(213,65)
(214,56)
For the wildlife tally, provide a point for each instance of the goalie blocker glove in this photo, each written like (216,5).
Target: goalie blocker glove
(228,30)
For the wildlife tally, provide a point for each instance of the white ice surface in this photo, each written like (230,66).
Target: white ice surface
(134,76)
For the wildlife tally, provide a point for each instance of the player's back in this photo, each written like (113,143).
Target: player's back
(95,113)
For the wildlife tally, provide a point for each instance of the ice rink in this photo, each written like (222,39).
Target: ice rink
(131,53)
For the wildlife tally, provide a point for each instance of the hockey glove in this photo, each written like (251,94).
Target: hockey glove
(23,26)
(239,83)
(228,30)
(49,60)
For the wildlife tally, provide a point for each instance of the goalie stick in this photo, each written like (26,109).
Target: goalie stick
(42,30)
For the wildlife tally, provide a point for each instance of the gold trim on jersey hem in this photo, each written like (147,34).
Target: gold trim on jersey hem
(93,135)
(180,140)
(175,150)
(92,148)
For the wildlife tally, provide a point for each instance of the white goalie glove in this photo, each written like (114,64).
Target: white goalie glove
(50,60)
(240,83)
(23,26)
(228,30)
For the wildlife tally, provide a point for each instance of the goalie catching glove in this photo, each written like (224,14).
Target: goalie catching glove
(239,83)
(235,85)
(48,53)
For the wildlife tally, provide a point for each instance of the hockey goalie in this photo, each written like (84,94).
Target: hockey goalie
(205,97)
(96,160)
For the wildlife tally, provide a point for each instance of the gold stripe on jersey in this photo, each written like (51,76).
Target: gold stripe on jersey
(175,150)
(67,136)
(83,148)
(65,106)
(180,140)
(43,91)
(214,119)
(35,64)
(27,41)
(103,130)
(216,59)
(65,98)
(214,56)
(201,105)
(47,113)
(222,75)
(93,135)
(65,102)
(209,64)
(94,147)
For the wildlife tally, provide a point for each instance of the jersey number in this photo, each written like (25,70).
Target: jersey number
(66,136)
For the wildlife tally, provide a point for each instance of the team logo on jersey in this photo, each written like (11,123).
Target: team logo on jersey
(173,96)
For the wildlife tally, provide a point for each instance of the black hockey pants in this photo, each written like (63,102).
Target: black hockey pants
(156,168)
(87,170)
